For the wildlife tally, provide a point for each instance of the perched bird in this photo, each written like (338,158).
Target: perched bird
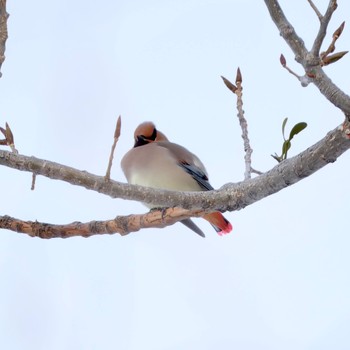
(156,162)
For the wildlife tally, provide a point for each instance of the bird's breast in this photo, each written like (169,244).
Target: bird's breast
(154,166)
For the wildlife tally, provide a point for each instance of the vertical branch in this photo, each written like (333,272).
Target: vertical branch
(244,126)
(3,31)
(237,90)
(116,138)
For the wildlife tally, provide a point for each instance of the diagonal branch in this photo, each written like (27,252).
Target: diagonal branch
(3,31)
(287,31)
(230,197)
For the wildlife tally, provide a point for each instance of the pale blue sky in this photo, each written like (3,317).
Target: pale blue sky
(279,281)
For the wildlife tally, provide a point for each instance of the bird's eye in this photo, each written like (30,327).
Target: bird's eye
(154,135)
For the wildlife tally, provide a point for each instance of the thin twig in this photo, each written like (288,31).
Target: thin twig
(116,138)
(254,171)
(237,89)
(318,13)
(304,79)
(244,126)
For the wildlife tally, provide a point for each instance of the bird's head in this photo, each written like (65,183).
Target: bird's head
(146,133)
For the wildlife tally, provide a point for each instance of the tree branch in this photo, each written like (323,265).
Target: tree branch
(115,141)
(230,197)
(121,224)
(237,90)
(287,31)
(309,61)
(3,31)
(314,7)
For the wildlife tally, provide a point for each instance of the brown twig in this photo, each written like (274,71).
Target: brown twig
(121,224)
(304,79)
(336,35)
(3,31)
(116,138)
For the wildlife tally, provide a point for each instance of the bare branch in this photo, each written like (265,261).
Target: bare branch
(330,90)
(3,31)
(310,62)
(237,90)
(257,172)
(121,224)
(230,197)
(116,138)
(244,126)
(304,80)
(332,6)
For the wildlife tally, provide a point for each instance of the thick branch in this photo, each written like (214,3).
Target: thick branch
(3,31)
(230,197)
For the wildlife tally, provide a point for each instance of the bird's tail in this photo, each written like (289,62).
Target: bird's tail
(221,225)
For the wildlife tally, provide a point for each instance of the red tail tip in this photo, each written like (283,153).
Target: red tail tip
(227,230)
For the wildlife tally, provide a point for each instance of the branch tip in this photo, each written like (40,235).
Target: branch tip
(118,128)
(238,77)
(115,141)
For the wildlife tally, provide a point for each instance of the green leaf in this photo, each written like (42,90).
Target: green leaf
(285,148)
(284,126)
(296,129)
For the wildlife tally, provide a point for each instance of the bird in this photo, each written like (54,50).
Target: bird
(156,162)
